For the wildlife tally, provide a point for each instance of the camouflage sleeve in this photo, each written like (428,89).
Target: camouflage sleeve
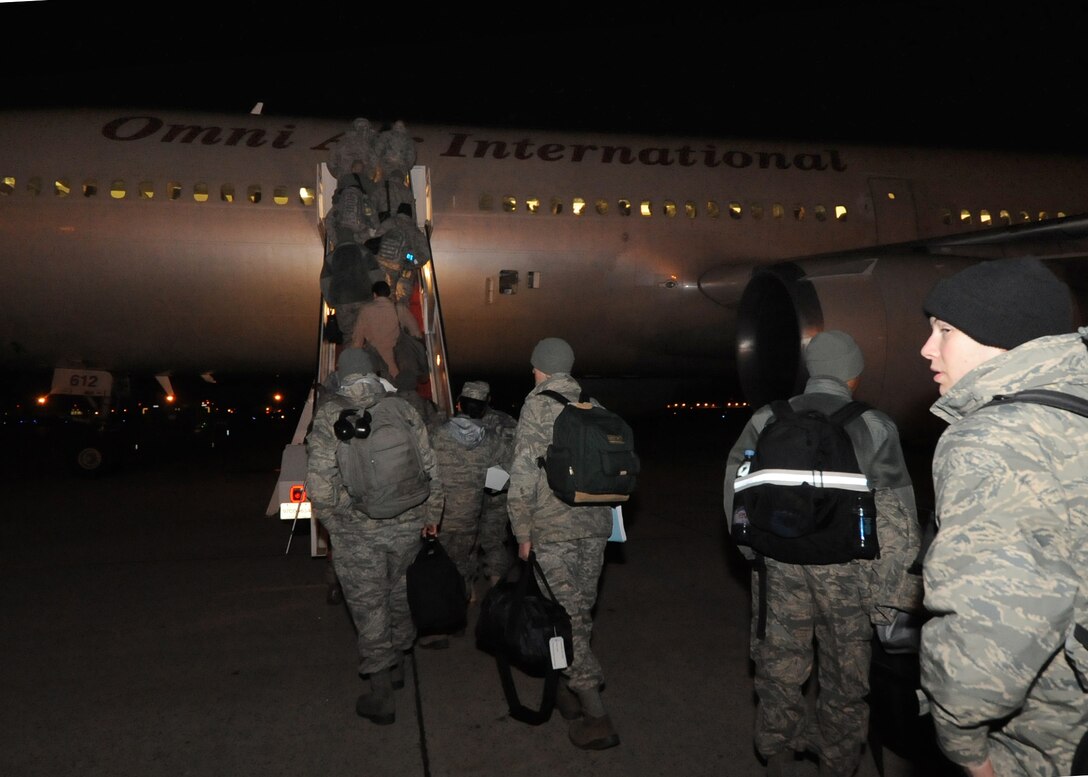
(531,440)
(323,485)
(898,530)
(995,603)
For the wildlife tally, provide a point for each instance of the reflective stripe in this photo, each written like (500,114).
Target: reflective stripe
(849,481)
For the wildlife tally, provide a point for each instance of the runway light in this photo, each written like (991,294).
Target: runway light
(42,399)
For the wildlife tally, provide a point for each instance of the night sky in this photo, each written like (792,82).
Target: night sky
(886,73)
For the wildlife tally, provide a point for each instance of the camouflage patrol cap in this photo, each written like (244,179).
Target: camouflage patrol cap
(476,389)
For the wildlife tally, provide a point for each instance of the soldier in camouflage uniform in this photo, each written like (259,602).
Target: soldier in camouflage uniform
(496,553)
(568,542)
(1004,659)
(835,603)
(465,449)
(372,556)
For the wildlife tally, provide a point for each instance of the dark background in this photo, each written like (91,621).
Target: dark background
(986,76)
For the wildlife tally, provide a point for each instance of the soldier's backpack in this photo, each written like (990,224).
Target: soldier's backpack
(591,459)
(379,460)
(804,486)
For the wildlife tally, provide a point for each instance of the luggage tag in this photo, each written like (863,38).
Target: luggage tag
(559,653)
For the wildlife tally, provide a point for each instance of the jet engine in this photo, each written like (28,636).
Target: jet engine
(877,298)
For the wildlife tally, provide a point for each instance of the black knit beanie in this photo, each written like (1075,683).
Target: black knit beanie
(1003,302)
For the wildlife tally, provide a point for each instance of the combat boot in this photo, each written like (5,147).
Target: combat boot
(594,731)
(378,706)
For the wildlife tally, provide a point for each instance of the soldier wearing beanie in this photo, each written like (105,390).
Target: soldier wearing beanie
(824,613)
(1006,574)
(568,541)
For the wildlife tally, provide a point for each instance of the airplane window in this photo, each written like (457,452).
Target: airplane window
(756,211)
(305,195)
(840,213)
(646,208)
(1004,217)
(820,212)
(280,196)
(486,202)
(670,208)
(90,188)
(1024,216)
(712,209)
(226,192)
(965,216)
(34,185)
(602,207)
(557,206)
(173,190)
(118,190)
(509,204)
(532,205)
(625,207)
(200,192)
(689,209)
(798,212)
(984,217)
(777,210)
(253,193)
(1043,216)
(61,188)
(1061,214)
(578,206)
(7,184)
(946,217)
(147,190)
(734,210)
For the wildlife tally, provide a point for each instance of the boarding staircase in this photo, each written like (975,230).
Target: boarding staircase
(289,499)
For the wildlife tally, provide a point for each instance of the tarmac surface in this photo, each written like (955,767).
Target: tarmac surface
(157,622)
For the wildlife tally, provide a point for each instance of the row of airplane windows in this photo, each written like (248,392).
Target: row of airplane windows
(145,190)
(579,206)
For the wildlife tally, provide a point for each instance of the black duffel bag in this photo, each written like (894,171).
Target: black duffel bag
(437,596)
(517,624)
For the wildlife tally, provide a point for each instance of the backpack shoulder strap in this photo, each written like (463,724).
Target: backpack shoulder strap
(1056,399)
(780,408)
(556,396)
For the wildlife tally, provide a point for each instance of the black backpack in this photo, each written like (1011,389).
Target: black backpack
(804,487)
(591,459)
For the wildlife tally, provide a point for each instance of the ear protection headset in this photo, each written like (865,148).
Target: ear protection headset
(350,425)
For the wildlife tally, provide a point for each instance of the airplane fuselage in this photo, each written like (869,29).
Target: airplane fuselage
(178,243)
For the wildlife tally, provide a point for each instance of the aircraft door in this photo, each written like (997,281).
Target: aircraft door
(893,210)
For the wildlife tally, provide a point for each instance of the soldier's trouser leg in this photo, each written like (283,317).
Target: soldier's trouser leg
(460,547)
(371,566)
(573,569)
(844,643)
(497,552)
(783,659)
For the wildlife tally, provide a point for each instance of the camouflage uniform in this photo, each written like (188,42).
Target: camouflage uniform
(569,542)
(1007,575)
(371,555)
(465,449)
(836,603)
(496,551)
